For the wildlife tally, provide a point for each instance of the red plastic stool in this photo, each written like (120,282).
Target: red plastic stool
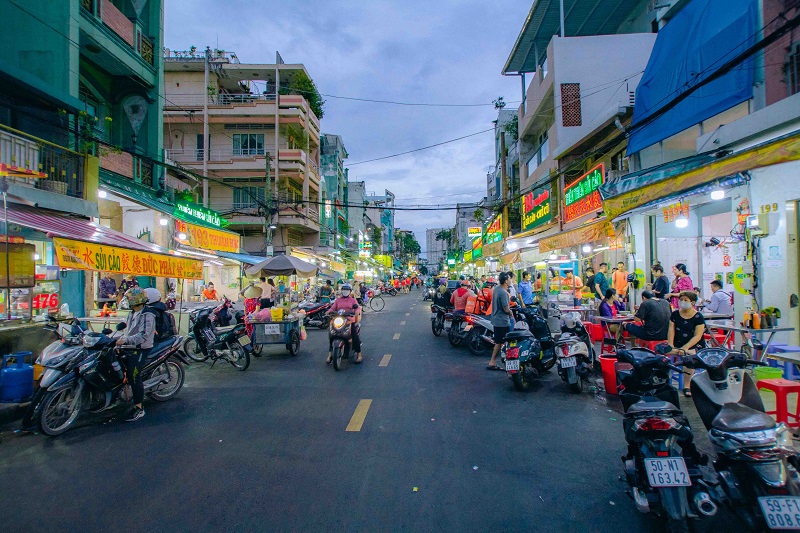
(650,345)
(782,389)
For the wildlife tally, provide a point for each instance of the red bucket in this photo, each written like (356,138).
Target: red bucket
(609,368)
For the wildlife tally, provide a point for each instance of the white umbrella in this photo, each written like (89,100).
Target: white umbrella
(283,265)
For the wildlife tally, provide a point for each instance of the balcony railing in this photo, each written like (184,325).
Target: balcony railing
(18,151)
(192,155)
(172,101)
(199,55)
(64,171)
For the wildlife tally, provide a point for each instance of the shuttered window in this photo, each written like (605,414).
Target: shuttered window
(571,104)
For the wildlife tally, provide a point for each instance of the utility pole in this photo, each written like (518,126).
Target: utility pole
(206,142)
(504,182)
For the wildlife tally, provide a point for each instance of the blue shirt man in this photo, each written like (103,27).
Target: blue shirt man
(601,281)
(525,289)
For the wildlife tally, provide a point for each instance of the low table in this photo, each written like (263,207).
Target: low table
(730,327)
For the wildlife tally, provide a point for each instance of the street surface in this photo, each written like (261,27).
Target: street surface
(436,443)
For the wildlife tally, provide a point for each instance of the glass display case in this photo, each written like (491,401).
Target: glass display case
(46,294)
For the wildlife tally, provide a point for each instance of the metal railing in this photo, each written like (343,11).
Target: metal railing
(199,55)
(189,155)
(172,101)
(64,171)
(18,151)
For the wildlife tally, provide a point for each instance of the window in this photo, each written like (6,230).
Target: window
(793,69)
(248,197)
(571,104)
(248,144)
(540,154)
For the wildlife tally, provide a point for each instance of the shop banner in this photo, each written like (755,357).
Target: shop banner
(536,208)
(336,266)
(585,234)
(628,193)
(207,238)
(477,248)
(474,231)
(582,197)
(671,212)
(21,264)
(193,211)
(494,232)
(510,258)
(494,249)
(385,260)
(82,255)
(468,256)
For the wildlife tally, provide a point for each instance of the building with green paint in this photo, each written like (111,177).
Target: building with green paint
(334,229)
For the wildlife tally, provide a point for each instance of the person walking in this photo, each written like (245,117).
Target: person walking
(660,284)
(619,280)
(501,318)
(601,281)
(683,283)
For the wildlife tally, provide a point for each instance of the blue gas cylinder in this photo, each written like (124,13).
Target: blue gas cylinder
(16,382)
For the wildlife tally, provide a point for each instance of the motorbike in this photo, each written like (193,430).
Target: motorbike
(757,464)
(480,337)
(662,466)
(316,314)
(55,357)
(438,318)
(340,331)
(427,293)
(574,353)
(459,327)
(230,343)
(541,329)
(390,290)
(96,379)
(525,360)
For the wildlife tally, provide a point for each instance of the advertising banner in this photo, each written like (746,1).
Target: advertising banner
(21,264)
(536,208)
(82,255)
(582,197)
(494,233)
(207,238)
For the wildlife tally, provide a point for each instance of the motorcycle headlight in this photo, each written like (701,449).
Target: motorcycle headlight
(338,322)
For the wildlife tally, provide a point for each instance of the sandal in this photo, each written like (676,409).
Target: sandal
(493,367)
(329,360)
(687,392)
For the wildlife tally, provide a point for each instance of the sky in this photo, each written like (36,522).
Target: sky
(443,51)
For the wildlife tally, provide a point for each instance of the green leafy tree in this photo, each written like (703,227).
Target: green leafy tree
(305,86)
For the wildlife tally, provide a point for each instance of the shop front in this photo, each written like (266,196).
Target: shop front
(212,246)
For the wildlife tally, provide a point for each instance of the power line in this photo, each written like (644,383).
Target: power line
(420,149)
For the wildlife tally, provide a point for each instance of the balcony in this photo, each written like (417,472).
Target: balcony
(183,101)
(130,167)
(291,161)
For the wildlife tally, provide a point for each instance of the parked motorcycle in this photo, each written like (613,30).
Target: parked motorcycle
(757,464)
(538,325)
(340,331)
(96,379)
(458,327)
(437,319)
(574,353)
(230,343)
(524,357)
(480,340)
(55,357)
(316,314)
(662,463)
(427,293)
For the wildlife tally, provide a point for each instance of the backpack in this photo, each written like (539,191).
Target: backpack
(165,322)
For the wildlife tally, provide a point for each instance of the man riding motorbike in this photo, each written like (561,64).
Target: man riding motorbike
(460,296)
(345,302)
(140,332)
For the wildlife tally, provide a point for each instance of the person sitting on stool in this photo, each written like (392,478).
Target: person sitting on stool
(654,314)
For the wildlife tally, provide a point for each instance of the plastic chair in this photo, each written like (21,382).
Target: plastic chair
(782,389)
(650,345)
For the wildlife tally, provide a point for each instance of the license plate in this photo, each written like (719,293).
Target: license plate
(568,362)
(512,365)
(244,341)
(512,344)
(433,316)
(667,472)
(781,512)
(272,329)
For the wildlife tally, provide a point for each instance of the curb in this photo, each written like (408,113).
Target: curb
(12,412)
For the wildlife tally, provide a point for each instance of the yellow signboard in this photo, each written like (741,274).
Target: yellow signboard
(208,238)
(385,260)
(21,263)
(82,255)
(474,231)
(582,235)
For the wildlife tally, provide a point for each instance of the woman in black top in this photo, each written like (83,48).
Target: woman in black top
(686,328)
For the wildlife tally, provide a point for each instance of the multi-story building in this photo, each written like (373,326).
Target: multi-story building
(356,215)
(504,126)
(80,104)
(261,154)
(381,215)
(435,250)
(333,215)
(465,219)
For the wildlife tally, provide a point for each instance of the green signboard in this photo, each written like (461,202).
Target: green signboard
(581,197)
(193,212)
(477,248)
(494,233)
(536,208)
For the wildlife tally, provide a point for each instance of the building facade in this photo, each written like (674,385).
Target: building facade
(436,250)
(333,214)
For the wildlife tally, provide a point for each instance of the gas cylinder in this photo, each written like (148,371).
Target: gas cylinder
(16,382)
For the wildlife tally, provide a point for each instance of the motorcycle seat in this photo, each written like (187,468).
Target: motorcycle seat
(159,348)
(735,417)
(223,329)
(650,404)
(518,334)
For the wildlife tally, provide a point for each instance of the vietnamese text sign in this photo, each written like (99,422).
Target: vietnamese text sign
(536,208)
(82,255)
(207,238)
(474,231)
(581,197)
(494,233)
(477,248)
(200,213)
(21,264)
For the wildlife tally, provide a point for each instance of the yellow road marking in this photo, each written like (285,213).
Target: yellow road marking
(359,415)
(408,314)
(396,336)
(402,322)
(385,360)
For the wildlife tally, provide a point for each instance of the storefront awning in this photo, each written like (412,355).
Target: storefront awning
(242,258)
(510,258)
(585,234)
(628,192)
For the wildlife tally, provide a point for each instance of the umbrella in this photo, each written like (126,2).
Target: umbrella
(283,265)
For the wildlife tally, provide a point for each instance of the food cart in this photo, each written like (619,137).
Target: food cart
(279,330)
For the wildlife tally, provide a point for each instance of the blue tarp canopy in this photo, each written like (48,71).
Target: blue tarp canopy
(242,258)
(701,38)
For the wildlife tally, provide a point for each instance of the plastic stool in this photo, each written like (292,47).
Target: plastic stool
(782,389)
(650,345)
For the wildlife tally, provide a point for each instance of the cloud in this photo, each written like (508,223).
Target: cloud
(448,51)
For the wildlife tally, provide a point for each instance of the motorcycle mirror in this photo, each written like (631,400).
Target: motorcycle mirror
(106,331)
(121,326)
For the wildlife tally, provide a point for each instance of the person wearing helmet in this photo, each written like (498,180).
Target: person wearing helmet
(165,322)
(460,296)
(345,302)
(140,332)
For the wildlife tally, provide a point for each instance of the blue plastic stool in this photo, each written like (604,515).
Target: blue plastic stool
(677,376)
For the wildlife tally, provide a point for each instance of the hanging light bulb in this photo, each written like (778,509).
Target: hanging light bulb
(573,255)
(587,248)
(681,222)
(102,194)
(717,194)
(163,221)
(553,257)
(182,236)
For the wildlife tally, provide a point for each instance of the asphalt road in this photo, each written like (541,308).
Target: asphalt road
(444,445)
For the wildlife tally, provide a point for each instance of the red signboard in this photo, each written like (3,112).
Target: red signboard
(581,197)
(45,301)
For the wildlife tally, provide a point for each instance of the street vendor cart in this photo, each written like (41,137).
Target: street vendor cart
(285,331)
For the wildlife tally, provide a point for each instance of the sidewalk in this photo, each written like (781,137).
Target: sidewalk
(11,412)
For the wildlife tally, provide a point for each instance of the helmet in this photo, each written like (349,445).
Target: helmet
(153,295)
(462,277)
(136,296)
(571,320)
(346,287)
(442,281)
(464,283)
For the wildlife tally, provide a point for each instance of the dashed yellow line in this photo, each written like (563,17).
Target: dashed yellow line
(359,415)
(396,336)
(385,360)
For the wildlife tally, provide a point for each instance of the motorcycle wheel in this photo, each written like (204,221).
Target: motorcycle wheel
(325,322)
(28,422)
(165,391)
(437,325)
(577,387)
(338,356)
(59,410)
(476,344)
(192,350)
(294,344)
(242,360)
(521,383)
(453,337)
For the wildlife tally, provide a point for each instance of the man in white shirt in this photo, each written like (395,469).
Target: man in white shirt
(720,301)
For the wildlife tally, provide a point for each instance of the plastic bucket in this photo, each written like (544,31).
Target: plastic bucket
(609,367)
(767,372)
(277,313)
